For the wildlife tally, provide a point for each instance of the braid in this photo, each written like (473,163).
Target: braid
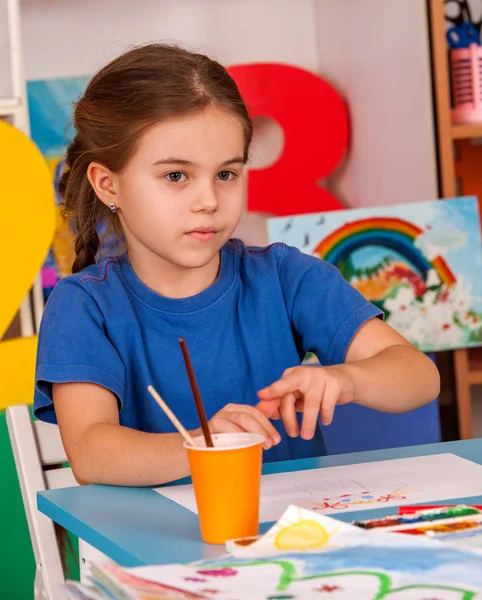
(81,205)
(87,244)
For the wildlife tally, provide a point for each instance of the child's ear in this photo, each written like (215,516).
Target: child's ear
(102,181)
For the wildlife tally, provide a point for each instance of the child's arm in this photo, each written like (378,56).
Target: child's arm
(102,451)
(382,371)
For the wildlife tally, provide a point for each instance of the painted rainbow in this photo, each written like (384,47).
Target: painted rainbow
(388,232)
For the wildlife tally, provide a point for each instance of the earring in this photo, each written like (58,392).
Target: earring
(112,207)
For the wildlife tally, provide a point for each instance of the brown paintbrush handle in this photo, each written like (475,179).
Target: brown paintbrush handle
(196,394)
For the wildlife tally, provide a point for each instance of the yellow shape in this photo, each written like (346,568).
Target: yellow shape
(17,360)
(64,239)
(26,230)
(27,220)
(303,535)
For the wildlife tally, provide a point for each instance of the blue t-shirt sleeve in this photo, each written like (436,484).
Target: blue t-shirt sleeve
(73,347)
(326,311)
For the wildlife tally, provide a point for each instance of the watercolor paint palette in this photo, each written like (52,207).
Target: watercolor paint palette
(459,525)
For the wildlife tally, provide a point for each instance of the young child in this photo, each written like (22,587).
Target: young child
(162,139)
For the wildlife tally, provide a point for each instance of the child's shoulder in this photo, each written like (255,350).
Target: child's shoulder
(280,256)
(100,272)
(93,281)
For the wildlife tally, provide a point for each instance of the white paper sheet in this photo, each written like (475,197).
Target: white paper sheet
(335,490)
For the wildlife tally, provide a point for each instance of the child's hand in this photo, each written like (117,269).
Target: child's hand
(310,390)
(234,418)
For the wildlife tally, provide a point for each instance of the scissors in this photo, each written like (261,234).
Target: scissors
(462,36)
(457,12)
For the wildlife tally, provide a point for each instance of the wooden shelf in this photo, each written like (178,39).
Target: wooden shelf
(475,366)
(467,362)
(465,132)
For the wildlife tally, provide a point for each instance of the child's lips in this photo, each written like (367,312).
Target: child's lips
(203,234)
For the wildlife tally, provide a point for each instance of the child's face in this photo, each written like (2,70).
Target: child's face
(182,193)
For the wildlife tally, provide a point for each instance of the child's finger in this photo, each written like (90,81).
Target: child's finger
(250,424)
(288,384)
(330,400)
(244,416)
(222,425)
(269,408)
(268,427)
(311,411)
(288,414)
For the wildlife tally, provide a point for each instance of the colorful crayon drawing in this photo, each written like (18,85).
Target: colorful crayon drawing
(420,263)
(365,499)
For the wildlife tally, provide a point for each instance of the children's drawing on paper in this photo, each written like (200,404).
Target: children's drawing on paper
(420,263)
(361,501)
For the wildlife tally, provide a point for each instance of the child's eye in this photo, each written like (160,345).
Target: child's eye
(176,177)
(226,175)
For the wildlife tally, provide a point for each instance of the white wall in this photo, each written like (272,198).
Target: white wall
(374,51)
(377,54)
(6,90)
(75,37)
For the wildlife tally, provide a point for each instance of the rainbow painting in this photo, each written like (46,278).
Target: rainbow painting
(421,263)
(387,232)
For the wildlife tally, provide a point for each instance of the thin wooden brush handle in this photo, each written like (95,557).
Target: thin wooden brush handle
(197,396)
(171,416)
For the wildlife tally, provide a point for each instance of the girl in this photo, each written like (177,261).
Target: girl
(162,139)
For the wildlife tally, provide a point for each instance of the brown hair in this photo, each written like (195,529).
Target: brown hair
(138,89)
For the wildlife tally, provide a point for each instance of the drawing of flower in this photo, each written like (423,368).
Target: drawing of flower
(444,331)
(425,303)
(460,296)
(470,320)
(401,302)
(440,317)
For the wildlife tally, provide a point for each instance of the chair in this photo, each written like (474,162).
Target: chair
(39,457)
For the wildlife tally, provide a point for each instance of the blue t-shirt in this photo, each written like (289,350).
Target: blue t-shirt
(266,309)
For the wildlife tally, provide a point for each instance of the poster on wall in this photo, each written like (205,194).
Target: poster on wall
(50,106)
(420,263)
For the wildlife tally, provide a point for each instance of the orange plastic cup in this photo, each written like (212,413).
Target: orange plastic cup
(226,481)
